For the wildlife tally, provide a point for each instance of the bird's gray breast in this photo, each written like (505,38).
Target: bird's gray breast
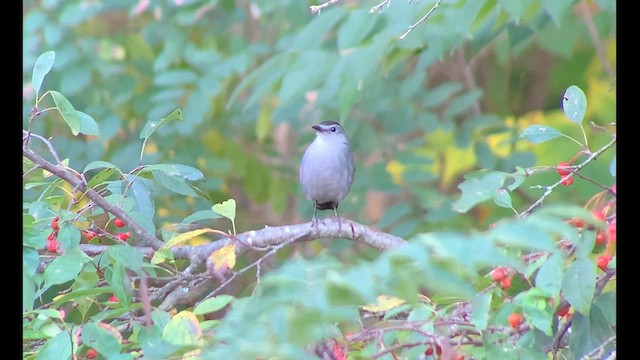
(326,171)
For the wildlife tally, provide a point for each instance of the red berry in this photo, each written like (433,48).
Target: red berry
(429,351)
(118,222)
(91,354)
(54,224)
(438,349)
(598,215)
(89,234)
(113,298)
(505,283)
(567,180)
(577,222)
(601,237)
(603,261)
(51,236)
(563,168)
(122,236)
(563,311)
(498,274)
(515,320)
(459,357)
(612,231)
(53,246)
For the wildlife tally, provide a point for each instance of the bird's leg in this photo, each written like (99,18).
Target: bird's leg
(314,219)
(335,211)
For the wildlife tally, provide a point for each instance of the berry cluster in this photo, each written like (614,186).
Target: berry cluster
(52,244)
(501,276)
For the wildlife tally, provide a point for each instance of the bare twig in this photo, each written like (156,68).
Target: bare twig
(378,8)
(583,9)
(424,18)
(315,9)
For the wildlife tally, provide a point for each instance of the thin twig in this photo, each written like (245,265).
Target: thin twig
(549,189)
(378,8)
(424,18)
(46,141)
(315,9)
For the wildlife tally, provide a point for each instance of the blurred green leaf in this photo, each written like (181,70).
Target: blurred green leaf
(43,65)
(478,186)
(536,309)
(58,347)
(574,104)
(355,28)
(481,307)
(502,198)
(130,256)
(66,267)
(590,331)
(101,339)
(212,304)
(579,283)
(550,275)
(540,133)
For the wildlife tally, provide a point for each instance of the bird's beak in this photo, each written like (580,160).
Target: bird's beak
(317,128)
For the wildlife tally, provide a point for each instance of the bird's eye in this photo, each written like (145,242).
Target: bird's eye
(333,129)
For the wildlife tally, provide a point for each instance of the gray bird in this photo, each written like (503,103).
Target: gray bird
(327,167)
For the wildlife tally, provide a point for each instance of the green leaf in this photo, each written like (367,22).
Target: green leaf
(306,73)
(79,294)
(153,125)
(439,94)
(589,332)
(43,65)
(574,104)
(502,198)
(525,234)
(536,309)
(579,283)
(66,267)
(141,191)
(550,274)
(478,186)
(100,339)
(175,78)
(226,208)
(28,290)
(88,125)
(213,304)
(481,306)
(129,256)
(556,9)
(175,184)
(101,177)
(99,164)
(144,220)
(540,133)
(69,114)
(58,347)
(201,215)
(355,28)
(69,236)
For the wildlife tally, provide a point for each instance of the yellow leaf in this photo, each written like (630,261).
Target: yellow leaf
(183,329)
(396,169)
(224,258)
(385,303)
(181,238)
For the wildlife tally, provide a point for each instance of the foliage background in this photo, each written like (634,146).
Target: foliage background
(251,77)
